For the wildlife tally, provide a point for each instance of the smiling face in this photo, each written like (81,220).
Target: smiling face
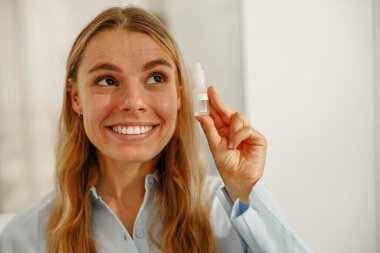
(126,90)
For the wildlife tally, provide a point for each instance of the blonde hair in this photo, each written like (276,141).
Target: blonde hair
(179,196)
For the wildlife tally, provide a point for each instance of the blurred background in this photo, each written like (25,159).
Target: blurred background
(305,72)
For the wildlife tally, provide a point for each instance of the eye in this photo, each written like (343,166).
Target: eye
(156,78)
(106,81)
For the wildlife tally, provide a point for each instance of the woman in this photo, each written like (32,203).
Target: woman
(129,173)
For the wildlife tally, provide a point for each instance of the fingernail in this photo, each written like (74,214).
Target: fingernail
(230,144)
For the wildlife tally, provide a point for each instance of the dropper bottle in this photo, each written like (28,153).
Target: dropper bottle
(200,98)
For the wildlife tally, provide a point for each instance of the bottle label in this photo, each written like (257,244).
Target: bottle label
(202,96)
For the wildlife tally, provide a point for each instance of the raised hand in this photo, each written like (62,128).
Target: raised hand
(238,149)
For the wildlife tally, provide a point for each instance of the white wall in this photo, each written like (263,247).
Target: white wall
(376,29)
(309,87)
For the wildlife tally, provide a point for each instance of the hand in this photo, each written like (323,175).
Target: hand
(239,150)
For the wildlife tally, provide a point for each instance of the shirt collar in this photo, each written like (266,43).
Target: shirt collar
(150,181)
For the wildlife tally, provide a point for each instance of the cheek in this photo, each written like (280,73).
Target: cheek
(95,110)
(167,109)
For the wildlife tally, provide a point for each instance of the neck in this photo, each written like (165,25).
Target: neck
(122,187)
(120,181)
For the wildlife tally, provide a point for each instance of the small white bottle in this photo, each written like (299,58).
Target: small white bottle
(200,98)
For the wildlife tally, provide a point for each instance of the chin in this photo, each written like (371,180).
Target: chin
(136,158)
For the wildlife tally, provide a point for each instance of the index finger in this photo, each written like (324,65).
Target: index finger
(219,107)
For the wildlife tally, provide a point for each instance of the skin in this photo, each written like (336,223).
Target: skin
(238,149)
(137,98)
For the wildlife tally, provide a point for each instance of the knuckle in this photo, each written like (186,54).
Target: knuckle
(235,115)
(238,118)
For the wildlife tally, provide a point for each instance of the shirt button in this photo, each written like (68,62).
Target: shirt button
(139,234)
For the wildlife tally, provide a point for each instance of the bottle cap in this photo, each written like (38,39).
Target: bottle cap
(198,75)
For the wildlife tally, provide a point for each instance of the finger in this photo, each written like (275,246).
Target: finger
(238,137)
(218,105)
(237,123)
(250,136)
(211,133)
(218,122)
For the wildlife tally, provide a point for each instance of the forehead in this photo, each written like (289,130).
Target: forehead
(125,46)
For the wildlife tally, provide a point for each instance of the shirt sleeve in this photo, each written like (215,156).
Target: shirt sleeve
(261,224)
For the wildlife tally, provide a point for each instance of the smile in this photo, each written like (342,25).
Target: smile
(132,130)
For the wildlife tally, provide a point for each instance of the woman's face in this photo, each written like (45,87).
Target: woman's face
(127,93)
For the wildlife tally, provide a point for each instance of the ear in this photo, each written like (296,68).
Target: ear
(74,96)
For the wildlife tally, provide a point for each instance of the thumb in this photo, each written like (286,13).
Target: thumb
(211,133)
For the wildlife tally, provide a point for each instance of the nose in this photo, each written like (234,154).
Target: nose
(132,97)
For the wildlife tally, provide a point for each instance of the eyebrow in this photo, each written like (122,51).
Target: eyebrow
(105,66)
(146,66)
(156,62)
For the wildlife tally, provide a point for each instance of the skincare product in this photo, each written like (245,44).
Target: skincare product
(200,97)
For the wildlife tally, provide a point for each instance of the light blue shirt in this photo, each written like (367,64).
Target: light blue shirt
(258,227)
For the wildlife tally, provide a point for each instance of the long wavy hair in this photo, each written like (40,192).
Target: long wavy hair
(179,198)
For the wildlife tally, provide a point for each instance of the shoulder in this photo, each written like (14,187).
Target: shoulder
(32,216)
(26,231)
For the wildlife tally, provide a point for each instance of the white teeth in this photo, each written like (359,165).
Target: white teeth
(128,130)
